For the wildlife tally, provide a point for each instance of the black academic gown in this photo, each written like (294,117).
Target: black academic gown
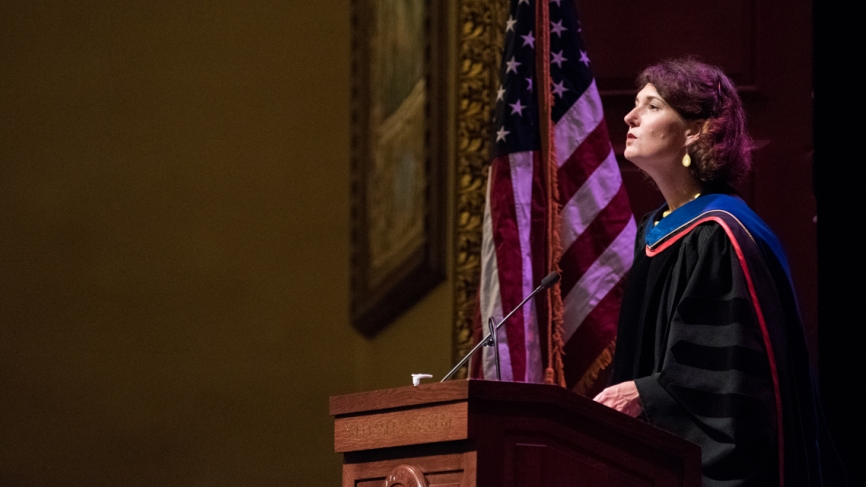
(710,332)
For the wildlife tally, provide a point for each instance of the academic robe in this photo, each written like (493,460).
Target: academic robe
(711,334)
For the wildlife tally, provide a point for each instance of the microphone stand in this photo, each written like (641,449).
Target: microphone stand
(491,338)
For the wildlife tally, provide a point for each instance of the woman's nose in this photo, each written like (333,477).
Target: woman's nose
(631,118)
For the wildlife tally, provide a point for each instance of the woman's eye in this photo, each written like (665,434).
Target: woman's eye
(654,107)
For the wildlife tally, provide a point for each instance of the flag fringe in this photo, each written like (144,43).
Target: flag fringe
(603,361)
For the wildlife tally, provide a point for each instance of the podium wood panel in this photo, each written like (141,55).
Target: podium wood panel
(397,428)
(486,434)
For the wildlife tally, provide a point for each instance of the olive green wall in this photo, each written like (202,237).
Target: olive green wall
(174,222)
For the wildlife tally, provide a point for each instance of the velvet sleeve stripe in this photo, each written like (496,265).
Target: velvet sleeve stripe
(720,382)
(714,312)
(719,358)
(721,405)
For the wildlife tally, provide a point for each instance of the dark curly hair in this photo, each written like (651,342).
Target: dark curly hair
(695,90)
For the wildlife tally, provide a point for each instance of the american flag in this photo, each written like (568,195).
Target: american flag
(594,229)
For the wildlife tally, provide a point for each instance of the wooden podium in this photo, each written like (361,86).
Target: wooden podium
(474,433)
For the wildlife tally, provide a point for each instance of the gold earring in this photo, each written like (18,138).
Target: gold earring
(687,160)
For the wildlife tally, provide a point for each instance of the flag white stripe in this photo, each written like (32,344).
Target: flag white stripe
(592,197)
(578,122)
(598,280)
(490,300)
(521,180)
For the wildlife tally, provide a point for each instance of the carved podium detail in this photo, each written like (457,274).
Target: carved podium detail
(472,433)
(406,476)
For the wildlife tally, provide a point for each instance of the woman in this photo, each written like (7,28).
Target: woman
(710,343)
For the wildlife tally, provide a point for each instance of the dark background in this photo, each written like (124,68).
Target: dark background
(839,190)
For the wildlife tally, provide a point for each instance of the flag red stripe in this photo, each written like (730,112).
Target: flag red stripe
(583,162)
(596,332)
(506,238)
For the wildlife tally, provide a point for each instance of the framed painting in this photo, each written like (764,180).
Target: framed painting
(399,156)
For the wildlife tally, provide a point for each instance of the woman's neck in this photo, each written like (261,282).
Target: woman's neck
(679,189)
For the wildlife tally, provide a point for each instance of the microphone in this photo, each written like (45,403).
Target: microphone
(549,280)
(491,338)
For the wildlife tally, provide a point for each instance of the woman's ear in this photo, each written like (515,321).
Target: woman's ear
(694,130)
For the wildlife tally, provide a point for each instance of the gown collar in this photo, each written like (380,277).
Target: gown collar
(682,216)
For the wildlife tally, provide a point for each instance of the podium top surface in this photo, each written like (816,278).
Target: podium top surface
(399,397)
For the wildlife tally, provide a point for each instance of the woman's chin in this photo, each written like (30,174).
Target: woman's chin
(632,157)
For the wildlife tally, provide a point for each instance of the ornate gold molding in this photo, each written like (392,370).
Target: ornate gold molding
(481,24)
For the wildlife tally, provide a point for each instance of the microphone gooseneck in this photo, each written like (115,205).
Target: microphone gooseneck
(547,282)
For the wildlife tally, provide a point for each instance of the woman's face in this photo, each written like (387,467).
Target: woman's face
(656,133)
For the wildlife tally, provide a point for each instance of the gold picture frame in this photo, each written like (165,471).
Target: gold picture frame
(399,156)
